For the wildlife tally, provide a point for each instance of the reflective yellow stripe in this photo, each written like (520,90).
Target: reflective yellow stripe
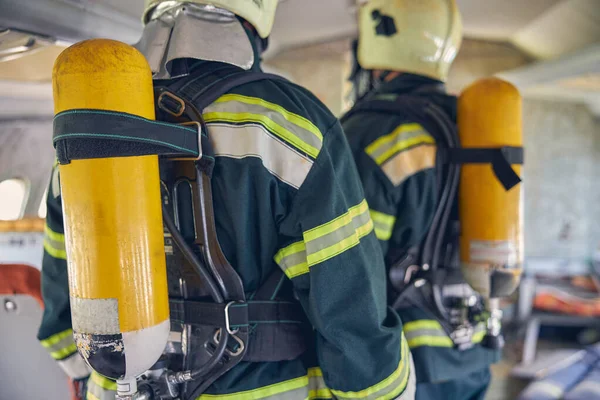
(288,126)
(267,123)
(100,388)
(56,253)
(326,241)
(52,340)
(426,333)
(90,396)
(335,237)
(390,138)
(293,118)
(60,345)
(383,224)
(62,353)
(103,382)
(478,336)
(54,243)
(422,324)
(403,145)
(431,333)
(390,387)
(402,138)
(292,259)
(430,341)
(309,386)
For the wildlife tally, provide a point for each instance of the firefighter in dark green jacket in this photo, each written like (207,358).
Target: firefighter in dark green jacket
(287,196)
(405,48)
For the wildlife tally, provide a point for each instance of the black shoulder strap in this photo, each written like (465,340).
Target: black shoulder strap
(201,89)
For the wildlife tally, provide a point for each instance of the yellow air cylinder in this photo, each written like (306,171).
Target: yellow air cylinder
(113,219)
(491,243)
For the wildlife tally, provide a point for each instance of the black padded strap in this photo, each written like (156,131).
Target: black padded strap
(231,82)
(240,314)
(86,133)
(501,159)
(202,89)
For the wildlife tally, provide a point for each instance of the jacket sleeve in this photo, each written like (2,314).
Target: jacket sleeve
(55,332)
(399,177)
(335,263)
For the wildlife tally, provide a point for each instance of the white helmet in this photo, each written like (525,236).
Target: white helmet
(416,36)
(259,13)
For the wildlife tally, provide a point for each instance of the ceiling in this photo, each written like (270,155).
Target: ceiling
(544,29)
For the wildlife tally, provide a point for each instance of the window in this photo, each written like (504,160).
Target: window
(13,196)
(43,210)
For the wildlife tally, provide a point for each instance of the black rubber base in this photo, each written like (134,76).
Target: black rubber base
(493,342)
(104,353)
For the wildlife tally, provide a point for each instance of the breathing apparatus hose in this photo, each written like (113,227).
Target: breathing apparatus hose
(432,248)
(213,289)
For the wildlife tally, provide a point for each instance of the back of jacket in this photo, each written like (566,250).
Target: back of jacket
(286,195)
(396,161)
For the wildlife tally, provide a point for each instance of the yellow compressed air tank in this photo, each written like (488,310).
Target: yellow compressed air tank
(113,219)
(491,243)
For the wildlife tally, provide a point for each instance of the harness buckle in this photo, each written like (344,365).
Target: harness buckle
(240,348)
(199,129)
(227,323)
(167,99)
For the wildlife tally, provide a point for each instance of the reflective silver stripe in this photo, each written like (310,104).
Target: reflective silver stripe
(100,388)
(95,392)
(60,345)
(75,366)
(253,140)
(338,235)
(66,345)
(54,243)
(411,387)
(404,164)
(275,113)
(309,386)
(335,237)
(424,332)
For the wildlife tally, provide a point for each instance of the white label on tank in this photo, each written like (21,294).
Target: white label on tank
(499,252)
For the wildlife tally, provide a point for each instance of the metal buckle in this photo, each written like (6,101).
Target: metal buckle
(241,344)
(227,325)
(177,99)
(199,129)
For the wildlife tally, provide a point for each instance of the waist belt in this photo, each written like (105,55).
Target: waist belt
(278,328)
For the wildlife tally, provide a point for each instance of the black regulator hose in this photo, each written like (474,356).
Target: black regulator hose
(435,238)
(213,289)
(192,258)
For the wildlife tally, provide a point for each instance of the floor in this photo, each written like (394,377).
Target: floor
(506,387)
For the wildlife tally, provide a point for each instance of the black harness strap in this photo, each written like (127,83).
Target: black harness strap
(501,159)
(235,315)
(86,133)
(271,330)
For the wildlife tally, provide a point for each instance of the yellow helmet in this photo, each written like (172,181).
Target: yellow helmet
(260,13)
(416,36)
